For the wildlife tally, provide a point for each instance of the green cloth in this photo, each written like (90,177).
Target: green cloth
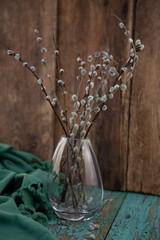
(24,208)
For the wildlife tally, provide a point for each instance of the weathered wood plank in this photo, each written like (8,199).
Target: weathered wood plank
(138,219)
(144,140)
(105,217)
(26,118)
(85,27)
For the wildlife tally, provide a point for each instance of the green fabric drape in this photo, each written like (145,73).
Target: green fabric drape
(24,208)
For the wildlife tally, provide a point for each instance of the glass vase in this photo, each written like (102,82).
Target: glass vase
(74,183)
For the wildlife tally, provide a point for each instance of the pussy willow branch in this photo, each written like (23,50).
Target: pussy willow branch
(45,92)
(52,87)
(80,84)
(65,107)
(49,77)
(96,115)
(62,87)
(64,98)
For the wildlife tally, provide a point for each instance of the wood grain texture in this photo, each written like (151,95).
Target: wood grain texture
(26,118)
(104,217)
(138,219)
(144,138)
(83,28)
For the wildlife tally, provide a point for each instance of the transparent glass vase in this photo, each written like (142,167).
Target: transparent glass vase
(74,183)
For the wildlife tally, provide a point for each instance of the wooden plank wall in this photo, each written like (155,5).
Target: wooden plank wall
(144,130)
(126,137)
(26,119)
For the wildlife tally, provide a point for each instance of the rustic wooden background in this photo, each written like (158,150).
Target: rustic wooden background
(126,138)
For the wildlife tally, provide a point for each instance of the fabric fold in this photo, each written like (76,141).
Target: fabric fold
(24,207)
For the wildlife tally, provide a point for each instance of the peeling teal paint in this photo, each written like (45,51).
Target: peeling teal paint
(143,223)
(80,230)
(123,216)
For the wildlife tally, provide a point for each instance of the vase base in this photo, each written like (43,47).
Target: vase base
(70,217)
(73,214)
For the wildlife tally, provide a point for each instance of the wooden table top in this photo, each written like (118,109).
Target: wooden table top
(123,216)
